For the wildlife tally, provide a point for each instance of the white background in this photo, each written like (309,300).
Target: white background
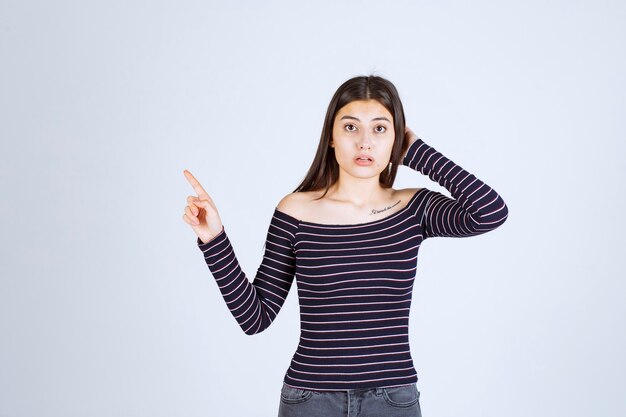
(106,305)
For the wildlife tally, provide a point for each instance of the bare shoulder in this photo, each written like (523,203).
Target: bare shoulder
(296,204)
(407,193)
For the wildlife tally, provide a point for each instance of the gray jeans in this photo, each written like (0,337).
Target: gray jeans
(401,401)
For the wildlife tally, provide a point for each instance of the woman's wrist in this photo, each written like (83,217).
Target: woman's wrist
(205,239)
(411,150)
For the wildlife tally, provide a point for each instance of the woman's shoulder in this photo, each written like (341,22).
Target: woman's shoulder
(296,204)
(407,192)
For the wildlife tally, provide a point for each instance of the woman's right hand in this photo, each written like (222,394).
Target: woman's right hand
(200,212)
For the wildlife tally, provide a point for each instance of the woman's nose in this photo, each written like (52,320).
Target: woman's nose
(365,141)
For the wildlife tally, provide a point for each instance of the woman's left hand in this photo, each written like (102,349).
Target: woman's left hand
(410,138)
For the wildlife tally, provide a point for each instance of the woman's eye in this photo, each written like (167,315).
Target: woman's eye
(350,127)
(380,129)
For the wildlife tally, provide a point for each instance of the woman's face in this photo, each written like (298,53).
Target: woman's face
(363,129)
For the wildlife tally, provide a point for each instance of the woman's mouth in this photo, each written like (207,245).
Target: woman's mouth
(364,160)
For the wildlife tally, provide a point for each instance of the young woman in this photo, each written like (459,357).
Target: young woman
(351,243)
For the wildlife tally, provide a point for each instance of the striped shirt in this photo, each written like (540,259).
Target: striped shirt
(354,281)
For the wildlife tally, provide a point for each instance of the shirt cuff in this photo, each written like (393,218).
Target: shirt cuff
(412,151)
(214,240)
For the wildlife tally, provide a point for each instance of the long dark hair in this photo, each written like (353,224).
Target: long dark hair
(324,170)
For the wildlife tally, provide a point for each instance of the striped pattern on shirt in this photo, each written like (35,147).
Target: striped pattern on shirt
(354,281)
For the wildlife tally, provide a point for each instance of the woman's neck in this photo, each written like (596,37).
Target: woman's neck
(359,192)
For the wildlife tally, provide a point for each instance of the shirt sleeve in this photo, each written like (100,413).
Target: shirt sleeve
(254,305)
(474,208)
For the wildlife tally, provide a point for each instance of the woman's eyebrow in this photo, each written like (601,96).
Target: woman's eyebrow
(357,119)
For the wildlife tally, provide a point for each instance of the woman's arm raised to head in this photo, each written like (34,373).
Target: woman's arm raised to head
(474,208)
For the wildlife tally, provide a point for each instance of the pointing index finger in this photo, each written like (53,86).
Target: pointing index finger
(195,184)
